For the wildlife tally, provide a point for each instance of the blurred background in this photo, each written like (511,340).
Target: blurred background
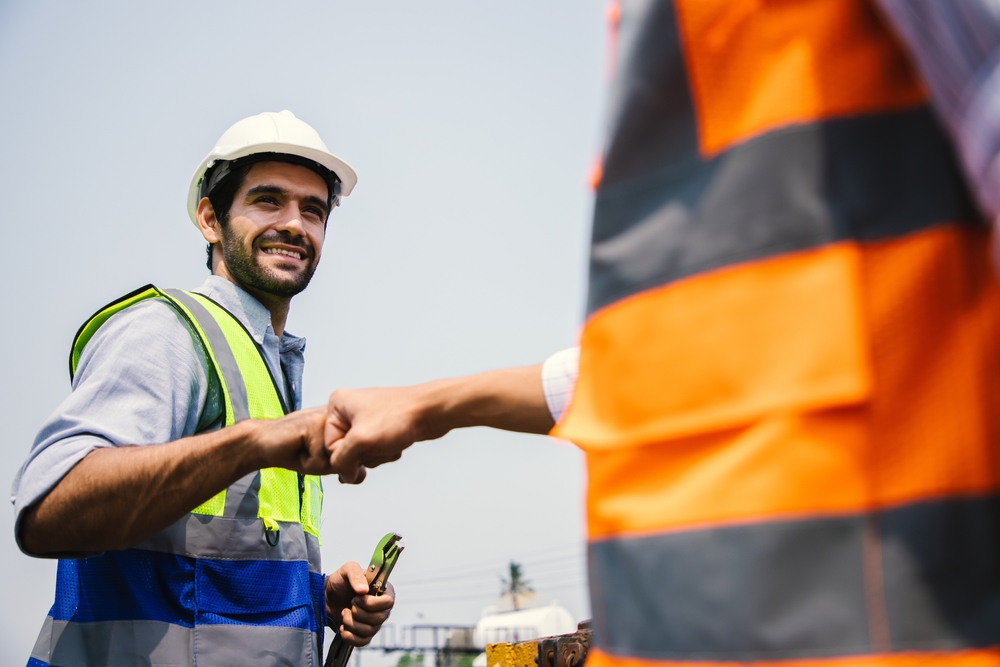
(472,126)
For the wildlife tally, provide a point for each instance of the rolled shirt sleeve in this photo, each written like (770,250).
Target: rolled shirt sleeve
(559,374)
(141,380)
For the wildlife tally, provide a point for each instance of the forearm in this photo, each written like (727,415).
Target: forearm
(511,399)
(118,496)
(380,423)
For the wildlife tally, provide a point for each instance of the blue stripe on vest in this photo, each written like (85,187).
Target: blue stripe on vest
(146,585)
(126,585)
(317,587)
(35,662)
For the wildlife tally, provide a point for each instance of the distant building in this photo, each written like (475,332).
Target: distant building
(522,625)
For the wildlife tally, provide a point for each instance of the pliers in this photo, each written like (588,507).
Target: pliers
(383,560)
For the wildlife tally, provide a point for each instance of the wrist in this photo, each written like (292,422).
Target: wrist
(246,446)
(444,405)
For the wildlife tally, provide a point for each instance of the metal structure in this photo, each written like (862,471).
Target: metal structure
(565,650)
(448,643)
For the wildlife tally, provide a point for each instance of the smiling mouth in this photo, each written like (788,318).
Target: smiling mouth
(282,251)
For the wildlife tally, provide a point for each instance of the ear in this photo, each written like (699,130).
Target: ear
(207,222)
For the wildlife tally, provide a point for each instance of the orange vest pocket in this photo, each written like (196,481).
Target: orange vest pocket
(721,350)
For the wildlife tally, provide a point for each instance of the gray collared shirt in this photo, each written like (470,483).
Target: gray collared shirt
(142,380)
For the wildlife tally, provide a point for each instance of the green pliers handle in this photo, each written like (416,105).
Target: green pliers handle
(383,560)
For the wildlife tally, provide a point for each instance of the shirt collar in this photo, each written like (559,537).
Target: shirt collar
(248,310)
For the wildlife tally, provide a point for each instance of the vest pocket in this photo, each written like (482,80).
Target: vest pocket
(723,350)
(273,593)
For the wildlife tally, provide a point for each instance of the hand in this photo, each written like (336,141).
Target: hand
(369,427)
(354,614)
(297,441)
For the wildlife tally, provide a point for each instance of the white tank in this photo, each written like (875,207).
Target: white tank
(522,625)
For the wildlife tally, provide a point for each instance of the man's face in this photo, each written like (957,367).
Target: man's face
(277,223)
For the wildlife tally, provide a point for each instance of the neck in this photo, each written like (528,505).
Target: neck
(276,305)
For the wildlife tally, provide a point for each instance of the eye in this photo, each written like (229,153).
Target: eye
(312,210)
(266,199)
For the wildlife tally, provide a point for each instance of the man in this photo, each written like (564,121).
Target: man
(179,481)
(789,369)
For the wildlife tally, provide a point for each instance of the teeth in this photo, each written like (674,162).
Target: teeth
(281,251)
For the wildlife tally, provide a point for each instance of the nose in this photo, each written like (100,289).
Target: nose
(291,220)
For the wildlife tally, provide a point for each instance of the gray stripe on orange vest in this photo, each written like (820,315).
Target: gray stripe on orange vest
(766,591)
(652,118)
(942,573)
(776,590)
(863,178)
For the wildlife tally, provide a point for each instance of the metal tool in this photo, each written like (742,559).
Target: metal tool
(383,560)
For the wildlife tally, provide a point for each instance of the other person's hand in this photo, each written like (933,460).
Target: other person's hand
(369,427)
(375,426)
(354,614)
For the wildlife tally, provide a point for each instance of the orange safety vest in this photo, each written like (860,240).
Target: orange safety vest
(789,375)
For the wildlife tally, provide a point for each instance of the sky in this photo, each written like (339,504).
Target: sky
(472,126)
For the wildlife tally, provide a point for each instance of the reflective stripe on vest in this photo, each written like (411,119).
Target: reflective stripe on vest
(157,643)
(237,580)
(249,391)
(789,366)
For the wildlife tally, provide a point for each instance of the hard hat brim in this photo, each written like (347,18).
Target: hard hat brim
(345,172)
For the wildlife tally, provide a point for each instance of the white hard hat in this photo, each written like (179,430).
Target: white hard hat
(270,132)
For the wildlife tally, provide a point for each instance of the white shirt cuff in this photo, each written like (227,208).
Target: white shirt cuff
(559,374)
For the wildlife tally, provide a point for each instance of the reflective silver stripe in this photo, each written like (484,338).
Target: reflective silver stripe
(43,645)
(160,644)
(154,643)
(223,537)
(220,349)
(315,559)
(773,590)
(245,645)
(242,497)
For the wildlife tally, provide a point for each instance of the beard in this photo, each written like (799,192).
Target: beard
(244,267)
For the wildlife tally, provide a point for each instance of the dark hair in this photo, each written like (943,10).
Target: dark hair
(221,197)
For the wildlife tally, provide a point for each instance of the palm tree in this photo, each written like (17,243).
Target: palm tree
(515,584)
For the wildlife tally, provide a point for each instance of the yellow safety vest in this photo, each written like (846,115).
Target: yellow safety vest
(237,580)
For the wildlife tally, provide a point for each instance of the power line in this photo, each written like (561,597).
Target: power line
(458,573)
(492,562)
(535,580)
(539,577)
(491,590)
(467,571)
(468,595)
(562,563)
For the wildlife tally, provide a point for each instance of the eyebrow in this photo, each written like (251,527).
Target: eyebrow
(275,190)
